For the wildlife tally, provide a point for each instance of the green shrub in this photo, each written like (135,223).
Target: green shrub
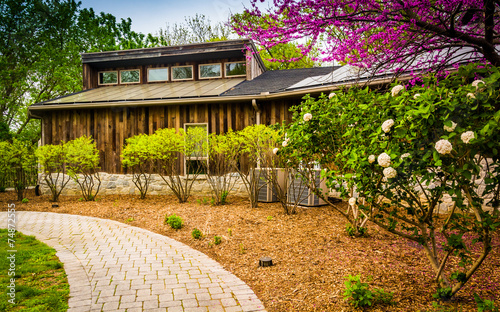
(357,292)
(443,293)
(53,162)
(223,197)
(137,157)
(196,234)
(2,189)
(484,305)
(174,221)
(217,240)
(360,295)
(25,201)
(351,231)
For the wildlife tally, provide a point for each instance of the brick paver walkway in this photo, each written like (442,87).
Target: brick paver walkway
(115,267)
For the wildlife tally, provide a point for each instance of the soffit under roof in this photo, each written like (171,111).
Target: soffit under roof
(144,92)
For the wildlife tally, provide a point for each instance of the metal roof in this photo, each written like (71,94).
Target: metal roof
(277,80)
(341,75)
(144,92)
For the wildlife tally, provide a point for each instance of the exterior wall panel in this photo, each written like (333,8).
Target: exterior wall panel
(110,127)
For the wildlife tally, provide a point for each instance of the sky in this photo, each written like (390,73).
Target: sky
(148,16)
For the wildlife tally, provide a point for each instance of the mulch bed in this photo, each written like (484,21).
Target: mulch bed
(311,252)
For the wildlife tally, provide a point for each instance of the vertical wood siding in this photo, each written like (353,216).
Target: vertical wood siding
(110,127)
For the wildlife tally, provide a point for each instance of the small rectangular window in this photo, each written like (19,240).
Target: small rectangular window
(182,72)
(130,76)
(234,69)
(196,160)
(158,74)
(108,78)
(210,71)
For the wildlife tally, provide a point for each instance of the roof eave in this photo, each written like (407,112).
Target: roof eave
(211,99)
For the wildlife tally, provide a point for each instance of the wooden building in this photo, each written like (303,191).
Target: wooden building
(219,85)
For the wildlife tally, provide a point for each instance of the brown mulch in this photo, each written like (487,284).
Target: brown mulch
(311,252)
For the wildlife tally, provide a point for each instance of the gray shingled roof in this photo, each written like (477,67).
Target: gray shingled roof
(277,80)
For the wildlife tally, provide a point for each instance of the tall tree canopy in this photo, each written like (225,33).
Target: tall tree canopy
(395,34)
(40,46)
(195,29)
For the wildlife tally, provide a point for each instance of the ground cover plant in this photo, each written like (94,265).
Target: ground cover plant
(312,254)
(41,283)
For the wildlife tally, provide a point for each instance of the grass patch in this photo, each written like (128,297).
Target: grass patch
(40,281)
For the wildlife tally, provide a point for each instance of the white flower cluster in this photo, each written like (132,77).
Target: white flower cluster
(331,95)
(405,155)
(471,95)
(275,150)
(416,96)
(352,201)
(395,90)
(285,143)
(476,83)
(371,159)
(390,173)
(467,136)
(443,147)
(384,160)
(387,125)
(308,116)
(450,129)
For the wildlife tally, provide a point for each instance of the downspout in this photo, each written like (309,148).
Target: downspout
(257,111)
(257,120)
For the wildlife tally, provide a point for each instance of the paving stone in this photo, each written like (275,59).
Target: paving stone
(129,305)
(110,306)
(189,303)
(150,304)
(196,309)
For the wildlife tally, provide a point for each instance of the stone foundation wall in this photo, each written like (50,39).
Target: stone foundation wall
(116,184)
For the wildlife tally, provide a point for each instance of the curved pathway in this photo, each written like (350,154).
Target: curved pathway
(112,266)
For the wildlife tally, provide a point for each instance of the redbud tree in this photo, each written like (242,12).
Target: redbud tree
(401,35)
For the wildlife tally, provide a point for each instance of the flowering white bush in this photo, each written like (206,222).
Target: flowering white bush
(395,90)
(352,201)
(275,150)
(467,136)
(308,116)
(387,125)
(471,95)
(476,83)
(285,143)
(405,155)
(416,96)
(443,147)
(371,159)
(450,129)
(390,173)
(384,160)
(332,94)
